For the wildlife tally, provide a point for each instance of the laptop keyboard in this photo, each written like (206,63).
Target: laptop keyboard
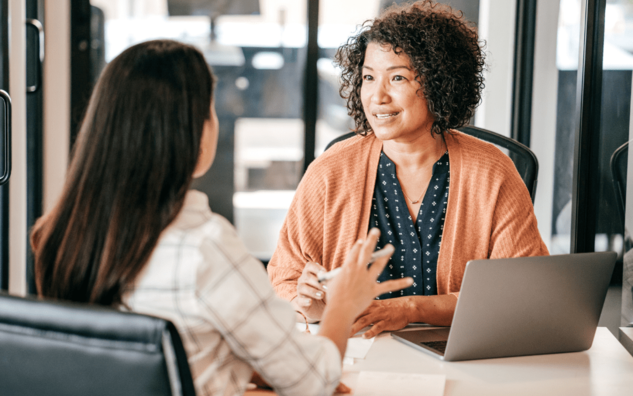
(439,346)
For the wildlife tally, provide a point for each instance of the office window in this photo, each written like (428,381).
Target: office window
(554,117)
(257,50)
(263,106)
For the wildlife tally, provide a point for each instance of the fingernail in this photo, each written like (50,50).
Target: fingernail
(360,241)
(307,302)
(319,294)
(324,287)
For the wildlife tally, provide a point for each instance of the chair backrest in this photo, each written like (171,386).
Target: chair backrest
(619,161)
(524,159)
(51,348)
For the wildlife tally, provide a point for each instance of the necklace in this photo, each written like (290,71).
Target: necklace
(409,199)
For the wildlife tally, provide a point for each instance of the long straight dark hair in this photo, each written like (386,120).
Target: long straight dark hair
(132,165)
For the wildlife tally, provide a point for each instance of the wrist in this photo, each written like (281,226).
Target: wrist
(339,313)
(413,309)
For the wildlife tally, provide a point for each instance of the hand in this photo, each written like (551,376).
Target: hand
(356,286)
(354,289)
(385,315)
(310,300)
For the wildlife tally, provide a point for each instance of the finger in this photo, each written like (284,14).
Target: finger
(361,324)
(304,301)
(305,290)
(313,268)
(379,265)
(393,285)
(369,246)
(311,281)
(376,329)
(352,256)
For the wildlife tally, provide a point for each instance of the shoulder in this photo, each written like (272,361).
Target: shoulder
(480,157)
(333,170)
(342,156)
(220,241)
(197,227)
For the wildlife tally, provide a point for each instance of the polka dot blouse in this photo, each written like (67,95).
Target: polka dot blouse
(417,244)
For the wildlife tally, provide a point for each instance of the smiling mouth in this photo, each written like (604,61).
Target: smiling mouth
(385,116)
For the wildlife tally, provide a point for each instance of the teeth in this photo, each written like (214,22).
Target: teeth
(383,116)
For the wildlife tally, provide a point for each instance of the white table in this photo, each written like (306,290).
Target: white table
(605,369)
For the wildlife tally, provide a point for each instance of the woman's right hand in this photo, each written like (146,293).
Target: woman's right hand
(310,300)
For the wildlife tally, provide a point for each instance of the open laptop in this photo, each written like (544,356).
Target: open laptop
(522,306)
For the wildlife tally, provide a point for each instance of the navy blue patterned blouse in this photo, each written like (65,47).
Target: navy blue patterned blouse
(417,246)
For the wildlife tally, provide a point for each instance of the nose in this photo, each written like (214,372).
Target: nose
(380,93)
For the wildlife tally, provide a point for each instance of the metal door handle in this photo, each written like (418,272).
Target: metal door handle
(6,137)
(34,23)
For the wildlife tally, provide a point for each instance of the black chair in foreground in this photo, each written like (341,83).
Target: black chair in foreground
(524,159)
(51,348)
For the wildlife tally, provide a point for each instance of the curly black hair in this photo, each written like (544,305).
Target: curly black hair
(443,49)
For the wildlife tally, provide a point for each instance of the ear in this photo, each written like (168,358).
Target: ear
(208,143)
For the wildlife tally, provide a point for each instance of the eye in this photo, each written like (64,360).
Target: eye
(368,77)
(398,78)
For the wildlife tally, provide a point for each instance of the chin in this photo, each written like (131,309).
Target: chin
(386,133)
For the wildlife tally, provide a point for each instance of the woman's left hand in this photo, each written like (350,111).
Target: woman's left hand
(385,315)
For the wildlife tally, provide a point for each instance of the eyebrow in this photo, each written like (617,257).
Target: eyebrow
(389,68)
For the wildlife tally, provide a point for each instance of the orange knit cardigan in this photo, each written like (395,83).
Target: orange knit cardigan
(489,213)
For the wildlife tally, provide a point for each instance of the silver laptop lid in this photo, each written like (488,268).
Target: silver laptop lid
(529,306)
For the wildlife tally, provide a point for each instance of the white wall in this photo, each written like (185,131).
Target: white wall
(17,182)
(56,98)
(544,98)
(497,28)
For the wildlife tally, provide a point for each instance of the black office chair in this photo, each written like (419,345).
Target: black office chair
(524,159)
(50,348)
(619,162)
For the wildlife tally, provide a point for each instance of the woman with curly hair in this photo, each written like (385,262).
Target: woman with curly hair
(410,78)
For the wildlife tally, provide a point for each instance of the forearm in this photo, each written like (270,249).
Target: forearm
(436,310)
(336,325)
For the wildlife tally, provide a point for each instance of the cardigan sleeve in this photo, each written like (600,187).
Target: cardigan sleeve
(301,236)
(514,227)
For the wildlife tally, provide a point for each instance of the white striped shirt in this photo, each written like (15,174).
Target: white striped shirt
(201,278)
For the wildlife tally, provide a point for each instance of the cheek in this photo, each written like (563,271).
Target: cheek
(365,100)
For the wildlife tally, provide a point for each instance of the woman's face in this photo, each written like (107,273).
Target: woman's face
(391,101)
(208,143)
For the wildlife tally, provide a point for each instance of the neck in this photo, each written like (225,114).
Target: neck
(416,153)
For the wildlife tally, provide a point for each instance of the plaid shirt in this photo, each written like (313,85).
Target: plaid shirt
(201,278)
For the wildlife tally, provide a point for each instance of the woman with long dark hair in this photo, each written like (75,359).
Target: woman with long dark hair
(128,233)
